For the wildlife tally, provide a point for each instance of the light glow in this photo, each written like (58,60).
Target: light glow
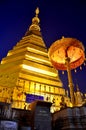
(27,67)
(37,51)
(35,58)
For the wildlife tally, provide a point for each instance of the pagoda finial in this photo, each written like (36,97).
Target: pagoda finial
(35,21)
(37,11)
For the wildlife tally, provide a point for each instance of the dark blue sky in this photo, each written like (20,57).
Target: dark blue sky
(57,18)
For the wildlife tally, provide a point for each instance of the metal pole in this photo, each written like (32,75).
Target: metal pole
(71,86)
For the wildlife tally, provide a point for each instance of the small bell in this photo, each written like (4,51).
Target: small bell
(80,68)
(75,70)
(84,64)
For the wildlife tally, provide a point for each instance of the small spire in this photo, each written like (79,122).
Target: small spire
(34,28)
(37,11)
(77,88)
(35,21)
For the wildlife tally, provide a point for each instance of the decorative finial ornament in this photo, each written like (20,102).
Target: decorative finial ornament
(37,11)
(35,21)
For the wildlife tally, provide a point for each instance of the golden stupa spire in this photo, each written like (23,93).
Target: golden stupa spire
(35,21)
(37,11)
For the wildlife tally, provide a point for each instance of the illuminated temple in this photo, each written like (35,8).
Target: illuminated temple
(26,70)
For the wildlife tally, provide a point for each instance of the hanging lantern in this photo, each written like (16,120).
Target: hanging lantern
(62,72)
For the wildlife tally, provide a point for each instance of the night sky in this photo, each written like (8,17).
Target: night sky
(57,18)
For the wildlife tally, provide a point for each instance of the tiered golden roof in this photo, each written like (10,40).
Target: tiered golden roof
(27,70)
